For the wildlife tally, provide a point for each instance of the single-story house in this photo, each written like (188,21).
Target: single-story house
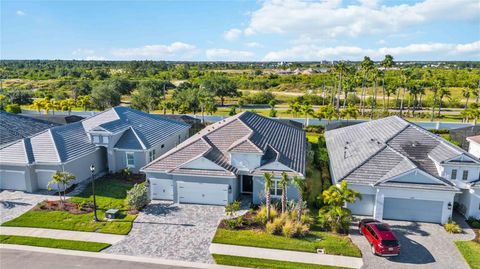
(112,140)
(403,171)
(228,159)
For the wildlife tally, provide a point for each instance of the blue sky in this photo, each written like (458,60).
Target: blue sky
(241,30)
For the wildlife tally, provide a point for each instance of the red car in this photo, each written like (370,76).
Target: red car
(381,238)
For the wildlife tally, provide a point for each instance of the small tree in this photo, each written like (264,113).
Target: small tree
(300,185)
(268,185)
(62,179)
(137,197)
(334,214)
(283,184)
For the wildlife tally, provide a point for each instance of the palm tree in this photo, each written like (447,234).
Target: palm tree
(62,180)
(306,110)
(406,76)
(386,63)
(38,105)
(375,74)
(341,70)
(268,186)
(283,184)
(300,185)
(205,99)
(443,92)
(350,112)
(294,108)
(466,94)
(366,66)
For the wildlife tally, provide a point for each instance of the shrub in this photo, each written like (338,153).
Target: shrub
(452,227)
(13,108)
(475,223)
(137,197)
(231,208)
(288,229)
(262,214)
(301,229)
(233,223)
(274,227)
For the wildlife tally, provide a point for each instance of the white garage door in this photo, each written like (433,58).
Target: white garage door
(364,206)
(202,193)
(43,177)
(12,180)
(412,209)
(161,189)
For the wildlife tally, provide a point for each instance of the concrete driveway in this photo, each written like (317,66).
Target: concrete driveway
(15,203)
(423,245)
(172,231)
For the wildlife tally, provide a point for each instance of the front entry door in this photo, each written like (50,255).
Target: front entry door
(247,184)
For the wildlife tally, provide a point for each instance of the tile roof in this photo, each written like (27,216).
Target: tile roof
(14,127)
(371,152)
(244,132)
(67,142)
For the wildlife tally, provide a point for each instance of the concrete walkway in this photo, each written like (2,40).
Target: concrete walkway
(286,255)
(62,234)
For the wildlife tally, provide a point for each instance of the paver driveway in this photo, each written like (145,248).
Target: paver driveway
(172,231)
(15,203)
(423,245)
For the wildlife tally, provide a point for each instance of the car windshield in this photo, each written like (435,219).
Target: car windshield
(382,227)
(390,243)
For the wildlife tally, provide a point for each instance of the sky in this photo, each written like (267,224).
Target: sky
(240,30)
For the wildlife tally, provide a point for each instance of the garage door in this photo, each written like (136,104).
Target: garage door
(202,193)
(413,209)
(43,177)
(364,206)
(161,189)
(12,180)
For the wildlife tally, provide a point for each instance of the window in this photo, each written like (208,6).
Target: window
(130,159)
(96,139)
(454,174)
(276,189)
(151,155)
(105,139)
(465,175)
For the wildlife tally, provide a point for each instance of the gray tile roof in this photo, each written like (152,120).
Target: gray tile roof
(245,132)
(371,152)
(128,140)
(14,127)
(67,142)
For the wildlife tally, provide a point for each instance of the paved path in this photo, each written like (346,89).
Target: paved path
(19,257)
(15,203)
(63,234)
(423,245)
(172,231)
(286,255)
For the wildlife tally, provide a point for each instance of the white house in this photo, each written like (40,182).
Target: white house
(403,171)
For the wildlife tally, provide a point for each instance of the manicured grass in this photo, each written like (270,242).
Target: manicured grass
(52,243)
(109,194)
(265,263)
(471,252)
(332,243)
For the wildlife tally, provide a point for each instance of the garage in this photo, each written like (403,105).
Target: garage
(202,193)
(43,177)
(363,206)
(413,209)
(12,180)
(161,189)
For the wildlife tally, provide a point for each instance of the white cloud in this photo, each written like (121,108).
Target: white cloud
(232,34)
(178,49)
(330,19)
(20,13)
(95,58)
(422,51)
(253,45)
(228,55)
(81,51)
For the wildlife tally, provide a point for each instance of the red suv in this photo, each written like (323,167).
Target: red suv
(381,238)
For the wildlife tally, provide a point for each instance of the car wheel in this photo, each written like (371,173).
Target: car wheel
(374,252)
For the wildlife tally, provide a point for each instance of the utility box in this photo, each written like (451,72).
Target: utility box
(111,213)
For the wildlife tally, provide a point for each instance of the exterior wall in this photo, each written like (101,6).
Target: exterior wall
(258,194)
(26,175)
(444,196)
(474,149)
(473,172)
(361,206)
(121,160)
(245,162)
(81,166)
(469,201)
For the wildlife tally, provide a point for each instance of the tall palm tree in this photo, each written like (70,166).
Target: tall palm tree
(300,185)
(340,69)
(366,66)
(406,76)
(268,186)
(294,108)
(466,94)
(443,92)
(386,64)
(375,74)
(306,110)
(283,184)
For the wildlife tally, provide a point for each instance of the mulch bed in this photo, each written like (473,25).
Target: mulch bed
(249,223)
(67,206)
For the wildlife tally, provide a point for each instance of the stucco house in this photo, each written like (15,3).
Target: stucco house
(112,140)
(403,171)
(228,159)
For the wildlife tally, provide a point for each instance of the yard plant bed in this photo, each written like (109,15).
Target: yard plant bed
(265,263)
(110,193)
(470,250)
(53,243)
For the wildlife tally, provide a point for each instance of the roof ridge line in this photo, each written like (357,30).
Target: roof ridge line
(138,138)
(363,162)
(55,145)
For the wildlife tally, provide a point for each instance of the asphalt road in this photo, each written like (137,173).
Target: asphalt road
(20,259)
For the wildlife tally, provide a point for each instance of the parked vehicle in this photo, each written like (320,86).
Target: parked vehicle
(381,238)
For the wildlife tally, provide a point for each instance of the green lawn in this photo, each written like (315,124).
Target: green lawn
(471,252)
(264,263)
(332,243)
(52,243)
(109,194)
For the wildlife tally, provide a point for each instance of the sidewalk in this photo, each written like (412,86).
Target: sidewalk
(286,255)
(62,234)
